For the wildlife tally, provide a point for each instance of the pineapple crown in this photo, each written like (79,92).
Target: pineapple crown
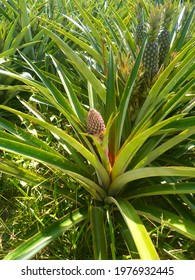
(154,23)
(139,12)
(168,15)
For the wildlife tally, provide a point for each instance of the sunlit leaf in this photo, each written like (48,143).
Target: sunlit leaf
(140,235)
(40,240)
(168,219)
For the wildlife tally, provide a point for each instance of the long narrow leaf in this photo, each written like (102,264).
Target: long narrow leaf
(52,160)
(129,150)
(175,100)
(38,154)
(25,135)
(40,240)
(74,102)
(10,36)
(88,21)
(123,27)
(126,96)
(71,141)
(185,30)
(110,95)
(168,219)
(165,147)
(30,82)
(94,189)
(53,90)
(161,189)
(86,47)
(25,19)
(128,238)
(118,184)
(98,233)
(79,63)
(23,174)
(14,145)
(179,125)
(140,235)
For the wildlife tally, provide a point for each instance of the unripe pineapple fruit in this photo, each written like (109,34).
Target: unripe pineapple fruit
(140,33)
(151,53)
(95,123)
(151,58)
(141,27)
(164,38)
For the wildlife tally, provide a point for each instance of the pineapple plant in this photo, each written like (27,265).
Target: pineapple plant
(151,53)
(141,27)
(164,38)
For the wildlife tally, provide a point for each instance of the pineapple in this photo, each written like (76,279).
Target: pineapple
(95,123)
(164,38)
(151,53)
(141,27)
(140,33)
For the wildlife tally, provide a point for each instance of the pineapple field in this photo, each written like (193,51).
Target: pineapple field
(97,130)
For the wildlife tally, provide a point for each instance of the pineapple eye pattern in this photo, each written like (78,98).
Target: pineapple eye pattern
(95,123)
(150,59)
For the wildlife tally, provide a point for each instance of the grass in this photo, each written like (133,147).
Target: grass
(26,210)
